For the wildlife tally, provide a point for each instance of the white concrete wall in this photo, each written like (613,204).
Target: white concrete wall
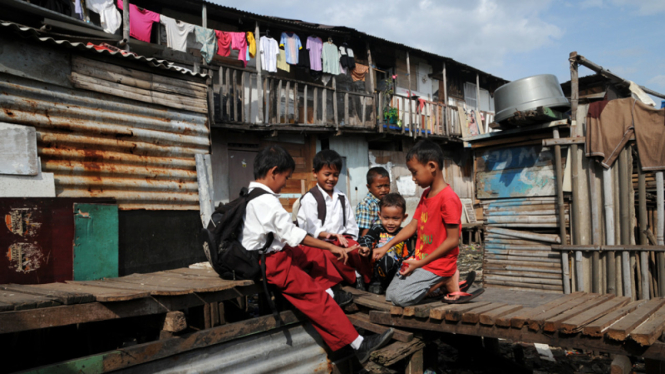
(355,149)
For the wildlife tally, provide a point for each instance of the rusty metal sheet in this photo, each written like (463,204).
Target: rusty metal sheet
(36,239)
(104,146)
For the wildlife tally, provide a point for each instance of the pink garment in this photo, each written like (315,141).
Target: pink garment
(140,22)
(239,42)
(223,43)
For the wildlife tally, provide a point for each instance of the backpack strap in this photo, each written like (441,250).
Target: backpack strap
(342,200)
(320,203)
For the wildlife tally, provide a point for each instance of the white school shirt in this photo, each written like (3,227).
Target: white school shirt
(308,216)
(266,214)
(269,50)
(176,33)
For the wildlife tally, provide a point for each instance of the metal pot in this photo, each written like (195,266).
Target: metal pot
(528,94)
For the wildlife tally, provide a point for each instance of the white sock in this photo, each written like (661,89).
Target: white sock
(330,292)
(357,342)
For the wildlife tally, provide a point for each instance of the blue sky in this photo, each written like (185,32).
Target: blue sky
(508,38)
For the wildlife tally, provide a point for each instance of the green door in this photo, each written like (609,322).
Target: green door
(95,241)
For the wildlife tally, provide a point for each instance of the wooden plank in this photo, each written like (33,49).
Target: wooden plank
(473,316)
(421,310)
(517,319)
(243,101)
(181,283)
(577,322)
(553,323)
(152,290)
(63,315)
(362,119)
(439,313)
(397,351)
(217,281)
(396,310)
(372,303)
(537,321)
(207,273)
(101,294)
(651,330)
(21,301)
(6,307)
(286,101)
(123,358)
(234,85)
(488,318)
(621,329)
(598,327)
(455,314)
(66,298)
(557,339)
(361,320)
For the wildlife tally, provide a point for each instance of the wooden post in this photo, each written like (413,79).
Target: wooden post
(408,101)
(416,363)
(372,85)
(346,109)
(379,120)
(561,212)
(625,222)
(402,112)
(608,196)
(243,102)
(234,85)
(445,85)
(324,106)
(125,23)
(315,106)
(595,229)
(279,102)
(660,230)
(227,94)
(362,119)
(259,80)
(272,99)
(305,105)
(204,24)
(478,96)
(642,214)
(335,114)
(286,101)
(266,111)
(296,104)
(221,91)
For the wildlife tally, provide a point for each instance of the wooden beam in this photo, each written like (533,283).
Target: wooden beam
(577,322)
(597,327)
(361,320)
(621,330)
(651,330)
(563,141)
(397,351)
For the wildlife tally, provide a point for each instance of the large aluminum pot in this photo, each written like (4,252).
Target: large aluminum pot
(528,94)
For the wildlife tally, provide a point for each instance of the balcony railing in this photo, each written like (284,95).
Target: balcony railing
(424,117)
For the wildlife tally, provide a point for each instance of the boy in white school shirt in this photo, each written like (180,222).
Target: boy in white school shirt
(338,224)
(291,253)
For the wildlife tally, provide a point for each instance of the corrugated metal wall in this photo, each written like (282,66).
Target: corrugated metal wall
(103,146)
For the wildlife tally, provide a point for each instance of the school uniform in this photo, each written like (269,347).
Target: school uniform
(308,219)
(286,261)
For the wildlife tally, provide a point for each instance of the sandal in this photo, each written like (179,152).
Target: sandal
(463,296)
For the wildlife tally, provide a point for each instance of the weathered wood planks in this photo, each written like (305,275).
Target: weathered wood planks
(362,321)
(577,322)
(621,329)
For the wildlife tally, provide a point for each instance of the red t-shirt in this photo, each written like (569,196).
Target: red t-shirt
(433,214)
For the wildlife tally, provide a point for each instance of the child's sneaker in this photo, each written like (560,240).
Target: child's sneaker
(360,285)
(376,288)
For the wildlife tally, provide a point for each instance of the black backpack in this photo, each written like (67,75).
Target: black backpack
(224,251)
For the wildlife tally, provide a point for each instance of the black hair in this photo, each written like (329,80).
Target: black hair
(376,171)
(425,151)
(272,156)
(328,158)
(393,199)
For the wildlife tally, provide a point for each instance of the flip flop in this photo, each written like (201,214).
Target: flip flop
(466,284)
(463,296)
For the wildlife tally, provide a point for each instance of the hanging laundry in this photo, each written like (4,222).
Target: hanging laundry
(358,74)
(281,61)
(342,69)
(140,22)
(611,124)
(239,43)
(176,33)
(346,57)
(314,46)
(330,56)
(78,10)
(303,58)
(251,44)
(207,38)
(108,14)
(291,43)
(269,50)
(223,43)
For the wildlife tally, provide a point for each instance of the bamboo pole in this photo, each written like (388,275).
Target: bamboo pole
(617,228)
(644,256)
(609,229)
(408,101)
(305,114)
(561,214)
(478,98)
(125,23)
(259,79)
(660,230)
(625,221)
(595,229)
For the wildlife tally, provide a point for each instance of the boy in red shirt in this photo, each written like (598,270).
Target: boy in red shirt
(437,221)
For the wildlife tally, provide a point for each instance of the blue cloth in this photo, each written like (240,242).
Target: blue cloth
(291,44)
(207,38)
(367,212)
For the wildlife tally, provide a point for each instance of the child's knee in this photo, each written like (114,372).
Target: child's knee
(400,298)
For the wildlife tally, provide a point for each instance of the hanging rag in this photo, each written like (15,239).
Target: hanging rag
(109,16)
(251,44)
(209,43)
(140,22)
(223,43)
(358,74)
(239,43)
(611,124)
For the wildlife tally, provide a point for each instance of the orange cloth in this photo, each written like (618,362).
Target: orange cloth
(358,74)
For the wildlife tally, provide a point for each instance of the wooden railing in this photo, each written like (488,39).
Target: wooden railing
(243,99)
(428,118)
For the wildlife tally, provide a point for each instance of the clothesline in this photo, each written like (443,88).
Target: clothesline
(317,56)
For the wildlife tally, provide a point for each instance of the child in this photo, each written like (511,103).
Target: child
(437,221)
(338,225)
(291,253)
(367,211)
(392,213)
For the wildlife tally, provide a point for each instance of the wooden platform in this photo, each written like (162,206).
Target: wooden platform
(30,307)
(579,320)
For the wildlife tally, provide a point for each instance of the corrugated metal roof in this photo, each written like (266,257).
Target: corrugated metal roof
(30,32)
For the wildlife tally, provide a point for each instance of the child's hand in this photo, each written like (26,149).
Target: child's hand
(340,253)
(412,264)
(364,251)
(350,249)
(380,252)
(340,238)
